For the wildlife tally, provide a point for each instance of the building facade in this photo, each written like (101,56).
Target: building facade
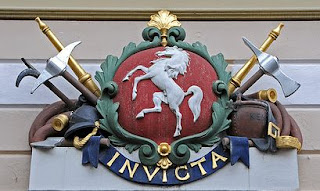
(105,27)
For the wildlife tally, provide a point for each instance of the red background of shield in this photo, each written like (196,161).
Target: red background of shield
(160,127)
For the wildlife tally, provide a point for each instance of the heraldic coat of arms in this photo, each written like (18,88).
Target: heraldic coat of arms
(166,112)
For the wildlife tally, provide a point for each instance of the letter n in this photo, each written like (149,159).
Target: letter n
(131,171)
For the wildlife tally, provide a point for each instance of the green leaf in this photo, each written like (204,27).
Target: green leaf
(195,146)
(116,141)
(105,126)
(132,147)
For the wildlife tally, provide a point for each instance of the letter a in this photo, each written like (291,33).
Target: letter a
(215,158)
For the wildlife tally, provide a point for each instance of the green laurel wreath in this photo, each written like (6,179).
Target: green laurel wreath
(147,148)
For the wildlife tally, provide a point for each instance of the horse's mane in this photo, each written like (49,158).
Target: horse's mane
(173,67)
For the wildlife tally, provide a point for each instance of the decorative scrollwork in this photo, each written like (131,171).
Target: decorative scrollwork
(110,89)
(150,33)
(177,33)
(180,153)
(218,87)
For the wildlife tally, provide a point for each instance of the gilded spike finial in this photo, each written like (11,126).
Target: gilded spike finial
(164,21)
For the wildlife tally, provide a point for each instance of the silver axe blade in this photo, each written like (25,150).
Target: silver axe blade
(270,65)
(53,70)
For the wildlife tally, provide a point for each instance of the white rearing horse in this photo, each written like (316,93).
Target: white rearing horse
(161,74)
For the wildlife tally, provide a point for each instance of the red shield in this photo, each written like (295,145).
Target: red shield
(160,127)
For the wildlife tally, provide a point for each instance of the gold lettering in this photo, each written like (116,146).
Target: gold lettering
(115,156)
(203,172)
(186,177)
(215,158)
(131,171)
(150,177)
(164,176)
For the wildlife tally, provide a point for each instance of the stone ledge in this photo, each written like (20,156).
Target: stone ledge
(60,169)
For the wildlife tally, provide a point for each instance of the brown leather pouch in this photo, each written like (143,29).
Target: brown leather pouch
(249,119)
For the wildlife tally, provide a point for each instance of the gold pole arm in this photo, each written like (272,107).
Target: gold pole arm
(83,76)
(236,80)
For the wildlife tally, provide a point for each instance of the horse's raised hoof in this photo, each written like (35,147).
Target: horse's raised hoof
(140,115)
(125,78)
(176,134)
(134,95)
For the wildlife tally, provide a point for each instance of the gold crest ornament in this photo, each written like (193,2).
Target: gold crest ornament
(164,21)
(164,149)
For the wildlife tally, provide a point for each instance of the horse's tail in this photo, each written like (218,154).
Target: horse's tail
(195,101)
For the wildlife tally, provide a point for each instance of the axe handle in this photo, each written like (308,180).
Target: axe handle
(250,82)
(28,64)
(86,93)
(63,97)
